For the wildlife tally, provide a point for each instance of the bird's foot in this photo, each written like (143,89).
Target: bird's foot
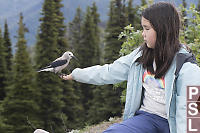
(62,75)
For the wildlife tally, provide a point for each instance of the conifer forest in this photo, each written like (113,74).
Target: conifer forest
(43,100)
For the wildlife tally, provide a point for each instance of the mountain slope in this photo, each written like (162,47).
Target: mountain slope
(10,9)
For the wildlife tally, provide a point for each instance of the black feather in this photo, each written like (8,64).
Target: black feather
(57,63)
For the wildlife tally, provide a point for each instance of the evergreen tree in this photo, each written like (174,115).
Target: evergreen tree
(184,14)
(49,84)
(70,99)
(20,102)
(8,46)
(87,58)
(130,12)
(62,43)
(86,46)
(88,41)
(4,80)
(94,116)
(198,5)
(96,20)
(75,30)
(133,17)
(75,37)
(8,58)
(115,26)
(3,69)
(117,21)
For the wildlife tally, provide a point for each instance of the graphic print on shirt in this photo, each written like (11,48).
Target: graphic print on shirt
(149,78)
(154,87)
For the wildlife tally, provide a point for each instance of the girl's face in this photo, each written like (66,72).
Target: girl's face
(149,34)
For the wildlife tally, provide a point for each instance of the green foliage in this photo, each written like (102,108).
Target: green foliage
(96,20)
(50,85)
(118,18)
(3,69)
(20,102)
(132,39)
(114,27)
(54,102)
(87,48)
(75,39)
(190,33)
(8,47)
(75,30)
(71,106)
(133,15)
(198,6)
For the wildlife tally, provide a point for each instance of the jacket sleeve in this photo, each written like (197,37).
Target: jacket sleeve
(188,76)
(106,74)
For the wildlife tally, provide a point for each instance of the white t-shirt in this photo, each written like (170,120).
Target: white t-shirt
(154,94)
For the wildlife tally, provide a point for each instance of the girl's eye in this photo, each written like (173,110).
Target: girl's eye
(146,28)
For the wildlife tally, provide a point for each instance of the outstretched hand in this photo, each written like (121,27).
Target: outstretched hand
(66,77)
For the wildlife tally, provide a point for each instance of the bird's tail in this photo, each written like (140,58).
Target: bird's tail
(46,70)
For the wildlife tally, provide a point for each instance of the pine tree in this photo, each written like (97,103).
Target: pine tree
(117,21)
(133,17)
(8,46)
(94,113)
(8,58)
(87,58)
(198,5)
(75,30)
(184,14)
(70,99)
(130,12)
(49,84)
(75,39)
(3,69)
(96,21)
(86,46)
(5,79)
(62,43)
(20,102)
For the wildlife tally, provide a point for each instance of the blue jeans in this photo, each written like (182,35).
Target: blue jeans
(142,122)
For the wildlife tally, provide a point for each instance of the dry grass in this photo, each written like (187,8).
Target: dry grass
(100,127)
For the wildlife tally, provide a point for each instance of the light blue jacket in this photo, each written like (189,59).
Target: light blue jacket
(125,68)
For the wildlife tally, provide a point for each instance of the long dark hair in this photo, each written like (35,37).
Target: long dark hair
(165,20)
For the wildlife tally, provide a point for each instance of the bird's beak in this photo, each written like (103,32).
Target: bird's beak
(75,58)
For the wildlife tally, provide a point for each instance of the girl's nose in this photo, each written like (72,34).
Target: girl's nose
(143,35)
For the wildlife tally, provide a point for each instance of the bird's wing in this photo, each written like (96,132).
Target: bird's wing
(58,63)
(60,58)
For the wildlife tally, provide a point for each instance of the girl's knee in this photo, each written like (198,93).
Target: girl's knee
(117,128)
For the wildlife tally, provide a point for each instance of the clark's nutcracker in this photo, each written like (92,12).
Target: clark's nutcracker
(40,131)
(59,64)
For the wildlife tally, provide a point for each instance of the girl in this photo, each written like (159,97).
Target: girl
(152,105)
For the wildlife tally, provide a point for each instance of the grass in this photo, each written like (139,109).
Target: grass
(99,128)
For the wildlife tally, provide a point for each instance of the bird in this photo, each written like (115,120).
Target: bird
(40,131)
(59,64)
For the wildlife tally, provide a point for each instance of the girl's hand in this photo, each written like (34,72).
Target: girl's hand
(66,77)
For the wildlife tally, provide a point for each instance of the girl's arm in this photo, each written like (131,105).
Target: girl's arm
(106,74)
